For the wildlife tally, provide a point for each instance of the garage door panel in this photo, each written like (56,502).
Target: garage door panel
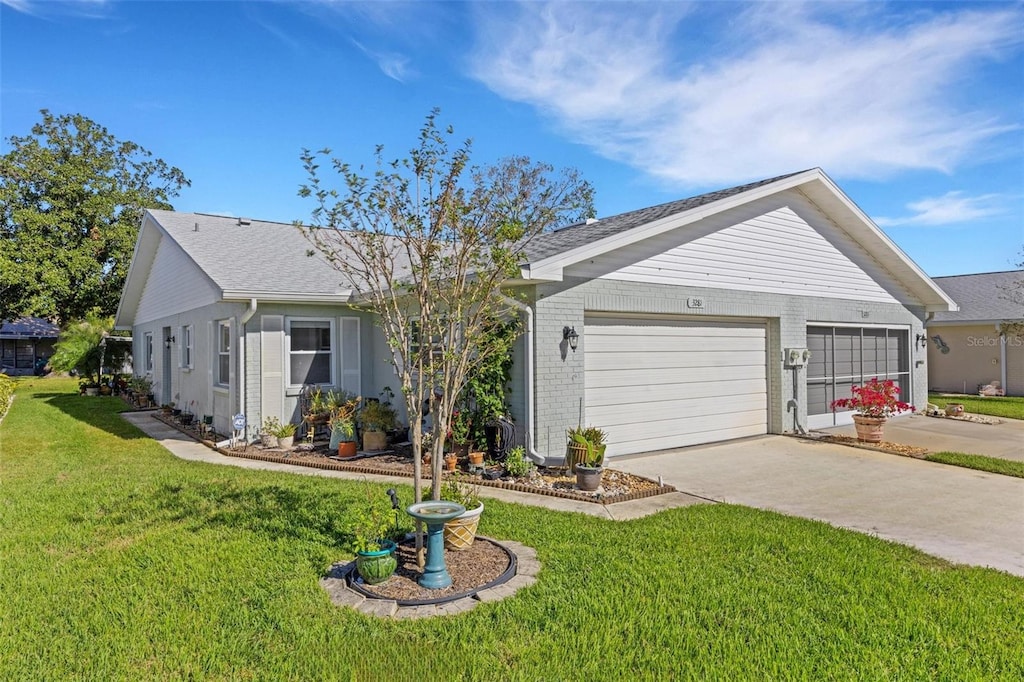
(657,398)
(597,361)
(611,415)
(648,444)
(662,383)
(681,375)
(677,344)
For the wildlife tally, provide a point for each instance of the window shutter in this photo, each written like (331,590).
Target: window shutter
(272,366)
(350,357)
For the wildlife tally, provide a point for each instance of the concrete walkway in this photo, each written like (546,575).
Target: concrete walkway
(183,447)
(1005,440)
(962,515)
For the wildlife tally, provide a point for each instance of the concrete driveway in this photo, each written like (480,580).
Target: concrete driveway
(1004,440)
(958,514)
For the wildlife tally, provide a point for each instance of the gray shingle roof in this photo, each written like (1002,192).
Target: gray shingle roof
(29,327)
(568,238)
(983,297)
(255,257)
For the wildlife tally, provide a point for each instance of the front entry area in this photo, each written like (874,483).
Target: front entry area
(658,382)
(844,356)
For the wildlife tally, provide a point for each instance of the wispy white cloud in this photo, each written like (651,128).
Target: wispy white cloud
(94,9)
(756,90)
(953,208)
(394,65)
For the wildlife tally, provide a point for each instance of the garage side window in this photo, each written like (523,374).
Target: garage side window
(147,350)
(309,352)
(187,346)
(222,371)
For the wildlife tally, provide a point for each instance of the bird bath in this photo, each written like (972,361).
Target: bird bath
(435,514)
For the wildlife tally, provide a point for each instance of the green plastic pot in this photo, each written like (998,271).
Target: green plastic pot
(376,567)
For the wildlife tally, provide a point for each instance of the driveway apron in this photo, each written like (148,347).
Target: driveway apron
(958,514)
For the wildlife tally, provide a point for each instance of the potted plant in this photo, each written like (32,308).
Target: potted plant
(285,435)
(451,460)
(268,433)
(588,467)
(575,447)
(874,403)
(516,463)
(372,529)
(460,532)
(376,418)
(461,427)
(342,422)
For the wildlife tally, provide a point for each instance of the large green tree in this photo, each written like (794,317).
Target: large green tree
(71,200)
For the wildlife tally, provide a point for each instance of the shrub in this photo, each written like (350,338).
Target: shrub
(6,391)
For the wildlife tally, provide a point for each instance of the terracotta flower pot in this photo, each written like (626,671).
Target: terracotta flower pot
(476,458)
(450,462)
(347,449)
(869,429)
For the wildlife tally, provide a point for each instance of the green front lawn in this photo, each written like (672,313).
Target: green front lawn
(118,561)
(994,465)
(1009,407)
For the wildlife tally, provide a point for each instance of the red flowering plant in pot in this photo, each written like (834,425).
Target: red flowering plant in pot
(874,403)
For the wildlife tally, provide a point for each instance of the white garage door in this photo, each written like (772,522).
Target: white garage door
(657,383)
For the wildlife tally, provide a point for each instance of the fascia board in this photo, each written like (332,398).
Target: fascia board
(552,268)
(966,323)
(343,296)
(132,293)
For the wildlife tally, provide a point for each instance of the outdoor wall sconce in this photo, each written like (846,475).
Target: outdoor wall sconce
(569,334)
(168,341)
(922,341)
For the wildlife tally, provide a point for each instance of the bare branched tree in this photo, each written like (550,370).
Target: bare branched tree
(1015,293)
(430,244)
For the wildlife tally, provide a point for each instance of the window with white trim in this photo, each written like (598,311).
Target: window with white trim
(310,351)
(222,370)
(147,350)
(187,346)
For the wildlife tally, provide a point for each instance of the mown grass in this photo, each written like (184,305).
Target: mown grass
(121,562)
(980,462)
(996,406)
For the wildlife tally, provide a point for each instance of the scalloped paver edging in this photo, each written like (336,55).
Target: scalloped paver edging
(354,467)
(527,569)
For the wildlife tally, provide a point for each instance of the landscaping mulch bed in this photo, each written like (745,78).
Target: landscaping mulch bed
(616,486)
(884,446)
(471,569)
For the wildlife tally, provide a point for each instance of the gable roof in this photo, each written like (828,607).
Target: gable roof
(28,327)
(983,297)
(242,259)
(551,254)
(567,238)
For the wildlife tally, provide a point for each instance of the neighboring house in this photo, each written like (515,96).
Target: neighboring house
(692,318)
(24,342)
(967,350)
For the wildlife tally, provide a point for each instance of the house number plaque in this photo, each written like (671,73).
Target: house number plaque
(695,303)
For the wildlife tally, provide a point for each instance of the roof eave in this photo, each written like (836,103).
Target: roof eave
(344,296)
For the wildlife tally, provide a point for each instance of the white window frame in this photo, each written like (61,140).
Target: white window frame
(220,352)
(147,350)
(332,354)
(187,347)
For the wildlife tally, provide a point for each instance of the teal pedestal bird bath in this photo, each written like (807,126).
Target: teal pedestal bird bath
(435,514)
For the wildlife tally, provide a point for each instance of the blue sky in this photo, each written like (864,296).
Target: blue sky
(915,109)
